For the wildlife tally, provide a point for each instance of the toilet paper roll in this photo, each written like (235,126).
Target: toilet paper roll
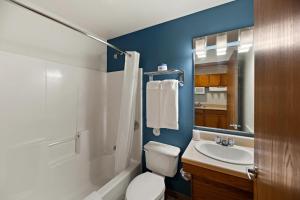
(156,131)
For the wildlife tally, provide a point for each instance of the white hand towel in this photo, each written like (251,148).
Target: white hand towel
(169,104)
(153,104)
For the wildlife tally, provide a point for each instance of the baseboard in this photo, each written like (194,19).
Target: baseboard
(172,195)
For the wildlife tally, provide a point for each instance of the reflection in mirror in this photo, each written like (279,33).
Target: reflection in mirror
(224,81)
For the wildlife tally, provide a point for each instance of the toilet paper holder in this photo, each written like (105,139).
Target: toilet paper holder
(185,175)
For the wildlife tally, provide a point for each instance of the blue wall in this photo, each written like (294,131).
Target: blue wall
(171,43)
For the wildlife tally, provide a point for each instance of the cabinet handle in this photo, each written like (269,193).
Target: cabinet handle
(252,173)
(185,175)
(235,126)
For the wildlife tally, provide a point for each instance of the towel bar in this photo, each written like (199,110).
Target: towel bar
(179,72)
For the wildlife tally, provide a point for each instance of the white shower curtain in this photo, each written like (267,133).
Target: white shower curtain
(127,111)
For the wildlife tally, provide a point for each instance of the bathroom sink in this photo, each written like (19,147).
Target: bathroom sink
(234,155)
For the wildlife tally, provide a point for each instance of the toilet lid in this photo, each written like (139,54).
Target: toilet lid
(147,186)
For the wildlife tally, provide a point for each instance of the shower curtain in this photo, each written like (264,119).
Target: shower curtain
(127,112)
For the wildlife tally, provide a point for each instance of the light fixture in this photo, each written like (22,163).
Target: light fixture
(221,51)
(222,44)
(54,74)
(201,47)
(243,50)
(246,41)
(201,54)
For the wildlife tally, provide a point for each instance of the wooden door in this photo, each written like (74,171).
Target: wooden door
(232,91)
(277,99)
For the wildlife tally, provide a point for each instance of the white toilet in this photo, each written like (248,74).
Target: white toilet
(162,160)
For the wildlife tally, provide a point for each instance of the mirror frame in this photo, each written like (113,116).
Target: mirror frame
(211,129)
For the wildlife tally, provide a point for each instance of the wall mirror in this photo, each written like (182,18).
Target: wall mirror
(224,81)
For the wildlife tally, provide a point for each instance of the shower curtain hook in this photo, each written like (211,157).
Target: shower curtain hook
(117,54)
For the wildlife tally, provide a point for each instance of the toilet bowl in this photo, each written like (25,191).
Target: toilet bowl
(162,160)
(146,186)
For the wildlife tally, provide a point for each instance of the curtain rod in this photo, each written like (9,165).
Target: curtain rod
(68,26)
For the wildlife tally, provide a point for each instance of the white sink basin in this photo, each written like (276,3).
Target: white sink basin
(235,155)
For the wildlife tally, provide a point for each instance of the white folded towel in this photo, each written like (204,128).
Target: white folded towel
(93,196)
(169,104)
(153,104)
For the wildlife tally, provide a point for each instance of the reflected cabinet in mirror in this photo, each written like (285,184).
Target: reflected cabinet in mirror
(224,81)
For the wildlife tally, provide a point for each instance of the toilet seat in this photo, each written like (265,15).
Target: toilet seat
(146,186)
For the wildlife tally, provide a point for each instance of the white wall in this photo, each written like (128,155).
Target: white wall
(44,102)
(249,92)
(26,33)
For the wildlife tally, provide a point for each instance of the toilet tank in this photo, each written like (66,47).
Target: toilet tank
(161,158)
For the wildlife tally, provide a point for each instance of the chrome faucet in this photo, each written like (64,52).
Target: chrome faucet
(224,141)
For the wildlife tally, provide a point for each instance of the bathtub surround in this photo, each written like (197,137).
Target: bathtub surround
(127,111)
(44,103)
(43,106)
(115,189)
(93,196)
(53,86)
(171,43)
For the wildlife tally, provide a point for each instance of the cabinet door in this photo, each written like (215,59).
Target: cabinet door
(199,117)
(216,118)
(201,81)
(197,81)
(207,189)
(211,120)
(214,80)
(212,185)
(223,121)
(223,80)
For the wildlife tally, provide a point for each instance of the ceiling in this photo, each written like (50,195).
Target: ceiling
(113,18)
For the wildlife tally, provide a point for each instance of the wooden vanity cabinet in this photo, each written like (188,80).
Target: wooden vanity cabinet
(212,185)
(211,118)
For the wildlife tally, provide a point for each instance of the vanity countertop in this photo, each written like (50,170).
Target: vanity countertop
(211,107)
(193,157)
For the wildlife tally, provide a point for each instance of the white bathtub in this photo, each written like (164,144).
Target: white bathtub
(115,189)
